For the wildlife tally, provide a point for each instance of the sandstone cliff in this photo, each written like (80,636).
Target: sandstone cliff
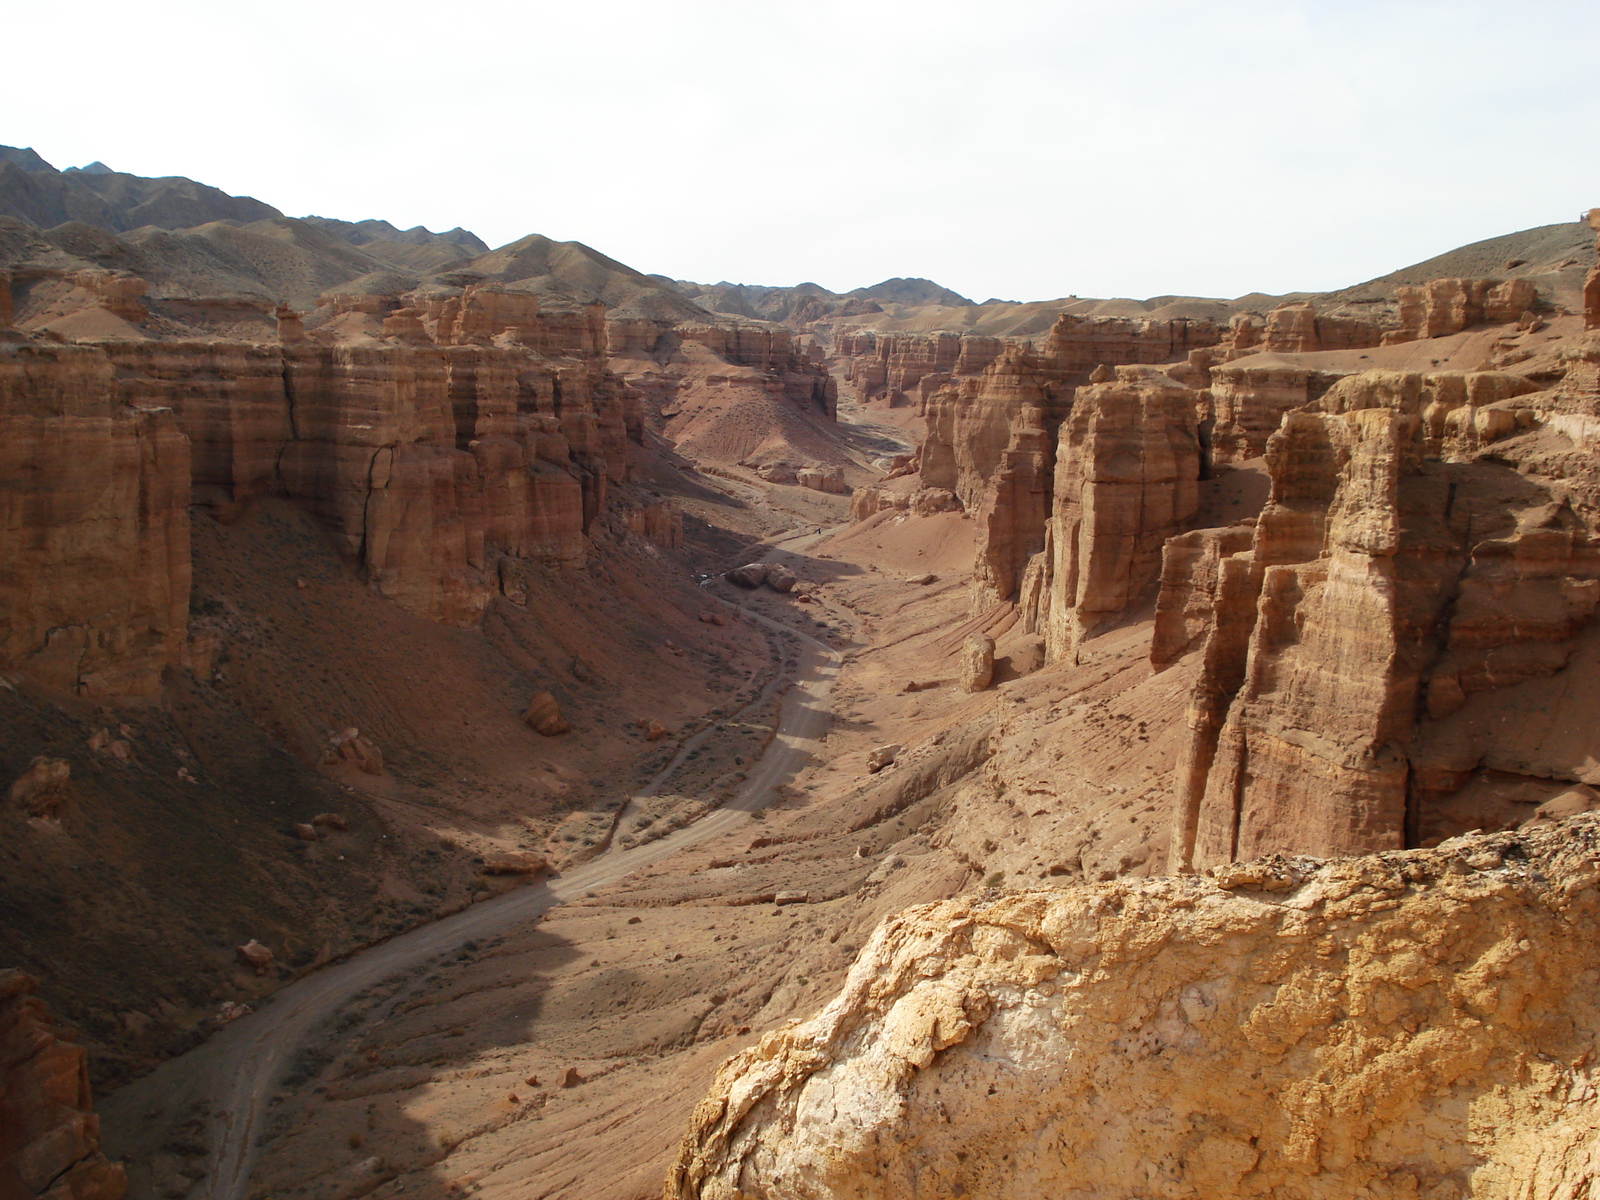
(1126,479)
(1400,567)
(95,595)
(1409,1024)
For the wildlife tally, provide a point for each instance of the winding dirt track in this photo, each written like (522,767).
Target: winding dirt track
(238,1069)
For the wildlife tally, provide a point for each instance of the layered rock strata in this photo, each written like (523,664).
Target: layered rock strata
(427,463)
(49,1136)
(95,534)
(1126,480)
(895,366)
(1407,1024)
(1446,306)
(1393,570)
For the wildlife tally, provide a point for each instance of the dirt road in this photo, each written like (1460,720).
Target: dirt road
(235,1074)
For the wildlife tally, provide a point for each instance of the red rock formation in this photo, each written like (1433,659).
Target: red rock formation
(896,365)
(49,1137)
(1079,344)
(1126,479)
(1379,584)
(95,536)
(1298,328)
(772,349)
(1247,402)
(1446,306)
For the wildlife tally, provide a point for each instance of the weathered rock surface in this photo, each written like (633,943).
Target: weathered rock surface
(1408,1024)
(1126,479)
(49,1136)
(1447,306)
(751,575)
(883,756)
(43,789)
(543,716)
(95,533)
(1381,582)
(977,663)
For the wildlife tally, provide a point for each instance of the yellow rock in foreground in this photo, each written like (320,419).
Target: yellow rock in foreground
(1414,1023)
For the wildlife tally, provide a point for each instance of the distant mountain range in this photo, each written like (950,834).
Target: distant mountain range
(191,240)
(33,190)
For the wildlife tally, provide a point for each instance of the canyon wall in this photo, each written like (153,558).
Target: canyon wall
(95,532)
(427,463)
(1399,568)
(1408,1024)
(1126,479)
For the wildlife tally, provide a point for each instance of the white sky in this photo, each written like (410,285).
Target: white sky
(1018,148)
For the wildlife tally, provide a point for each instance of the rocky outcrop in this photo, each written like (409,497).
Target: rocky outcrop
(95,536)
(1126,479)
(1247,403)
(1290,1029)
(1446,306)
(1079,344)
(427,463)
(1298,328)
(49,1135)
(895,366)
(43,789)
(923,502)
(772,349)
(1393,568)
(969,422)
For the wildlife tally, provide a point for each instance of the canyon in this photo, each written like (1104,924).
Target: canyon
(493,720)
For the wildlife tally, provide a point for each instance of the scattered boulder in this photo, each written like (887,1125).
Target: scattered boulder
(792,898)
(331,821)
(543,716)
(231,1011)
(924,579)
(307,833)
(42,789)
(751,575)
(255,956)
(822,479)
(709,618)
(349,746)
(513,862)
(654,730)
(781,579)
(882,756)
(777,472)
(804,598)
(977,663)
(118,748)
(571,1078)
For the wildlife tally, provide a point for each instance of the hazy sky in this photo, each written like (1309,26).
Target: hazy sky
(1014,148)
